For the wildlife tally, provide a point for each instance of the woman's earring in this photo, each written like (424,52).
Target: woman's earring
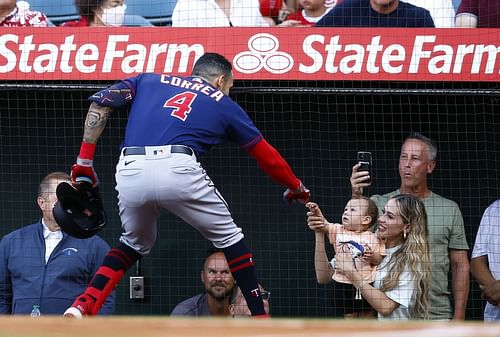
(404,235)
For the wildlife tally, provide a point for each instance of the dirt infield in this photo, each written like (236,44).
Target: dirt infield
(144,326)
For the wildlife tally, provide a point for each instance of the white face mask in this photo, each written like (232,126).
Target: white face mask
(113,16)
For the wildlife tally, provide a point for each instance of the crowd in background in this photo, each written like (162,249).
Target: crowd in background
(265,13)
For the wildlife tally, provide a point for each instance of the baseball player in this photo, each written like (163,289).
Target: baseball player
(173,121)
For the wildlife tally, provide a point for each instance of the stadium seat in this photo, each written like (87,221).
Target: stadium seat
(158,12)
(136,21)
(57,11)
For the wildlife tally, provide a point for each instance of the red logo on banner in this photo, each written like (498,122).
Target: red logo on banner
(263,53)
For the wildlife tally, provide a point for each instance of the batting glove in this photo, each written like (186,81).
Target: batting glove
(83,171)
(301,194)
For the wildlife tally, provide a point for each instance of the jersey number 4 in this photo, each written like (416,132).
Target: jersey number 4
(181,104)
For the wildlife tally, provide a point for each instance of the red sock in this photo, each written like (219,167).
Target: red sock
(115,265)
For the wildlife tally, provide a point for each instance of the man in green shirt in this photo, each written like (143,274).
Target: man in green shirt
(447,241)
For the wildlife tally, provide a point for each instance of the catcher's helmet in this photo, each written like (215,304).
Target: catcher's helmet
(79,211)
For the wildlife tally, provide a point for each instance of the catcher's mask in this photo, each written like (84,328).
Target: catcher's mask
(79,211)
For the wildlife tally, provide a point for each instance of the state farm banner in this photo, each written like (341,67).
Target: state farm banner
(390,54)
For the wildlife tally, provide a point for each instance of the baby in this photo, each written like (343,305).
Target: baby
(353,236)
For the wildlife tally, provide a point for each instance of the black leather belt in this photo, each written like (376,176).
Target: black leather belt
(139,150)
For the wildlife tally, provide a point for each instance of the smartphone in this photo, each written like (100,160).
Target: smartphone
(365,159)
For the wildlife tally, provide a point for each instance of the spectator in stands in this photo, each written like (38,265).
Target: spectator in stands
(18,14)
(485,264)
(293,5)
(376,13)
(402,281)
(478,13)
(270,10)
(42,266)
(220,13)
(99,13)
(218,282)
(447,241)
(311,11)
(442,11)
(239,307)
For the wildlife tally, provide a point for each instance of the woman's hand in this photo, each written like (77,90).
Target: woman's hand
(368,255)
(344,264)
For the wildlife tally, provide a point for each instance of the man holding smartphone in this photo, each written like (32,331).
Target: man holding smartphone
(365,163)
(447,240)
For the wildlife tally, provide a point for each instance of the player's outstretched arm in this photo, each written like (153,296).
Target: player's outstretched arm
(275,166)
(95,122)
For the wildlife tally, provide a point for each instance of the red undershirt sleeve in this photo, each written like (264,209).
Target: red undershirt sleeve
(273,164)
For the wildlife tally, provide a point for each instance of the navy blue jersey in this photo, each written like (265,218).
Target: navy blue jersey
(188,111)
(359,13)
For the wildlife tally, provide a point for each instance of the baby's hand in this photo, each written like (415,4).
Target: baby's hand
(313,208)
(315,219)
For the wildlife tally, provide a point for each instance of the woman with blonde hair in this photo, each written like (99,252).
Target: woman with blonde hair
(403,279)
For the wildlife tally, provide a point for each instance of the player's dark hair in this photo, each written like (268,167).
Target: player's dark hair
(427,141)
(86,8)
(211,65)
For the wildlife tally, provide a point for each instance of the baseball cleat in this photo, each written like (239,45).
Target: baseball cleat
(82,306)
(72,312)
(262,316)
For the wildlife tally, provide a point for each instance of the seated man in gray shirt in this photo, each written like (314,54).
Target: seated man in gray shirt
(218,282)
